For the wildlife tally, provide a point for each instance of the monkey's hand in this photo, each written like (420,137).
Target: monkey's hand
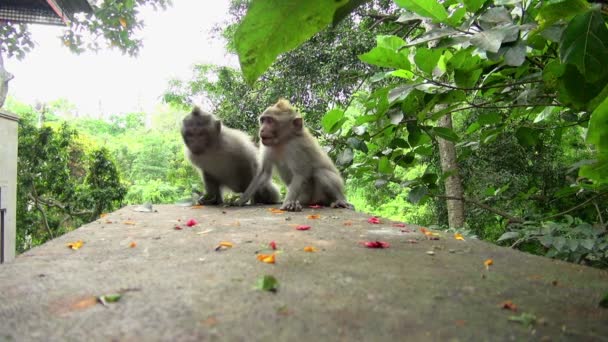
(242,201)
(209,200)
(291,206)
(342,204)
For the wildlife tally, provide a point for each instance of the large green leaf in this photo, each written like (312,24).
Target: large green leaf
(388,53)
(445,133)
(584,44)
(553,11)
(527,136)
(426,59)
(333,120)
(272,27)
(473,5)
(426,8)
(598,136)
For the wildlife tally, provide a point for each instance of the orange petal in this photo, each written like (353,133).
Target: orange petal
(133,244)
(276,211)
(309,249)
(267,258)
(313,217)
(226,244)
(348,223)
(75,245)
(488,262)
(129,222)
(458,236)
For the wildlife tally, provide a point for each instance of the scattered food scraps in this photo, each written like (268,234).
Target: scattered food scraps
(488,263)
(399,225)
(458,236)
(348,223)
(198,206)
(267,283)
(276,211)
(376,244)
(313,217)
(315,206)
(405,231)
(102,215)
(191,223)
(224,245)
(205,232)
(309,249)
(109,298)
(411,241)
(75,245)
(131,223)
(133,244)
(507,304)
(177,227)
(373,220)
(430,252)
(525,318)
(303,227)
(273,245)
(267,258)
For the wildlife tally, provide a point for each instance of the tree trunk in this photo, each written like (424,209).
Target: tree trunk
(5,77)
(453,185)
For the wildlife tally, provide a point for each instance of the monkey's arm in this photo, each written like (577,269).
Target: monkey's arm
(261,178)
(294,189)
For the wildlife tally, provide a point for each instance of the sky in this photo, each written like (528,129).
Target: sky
(108,82)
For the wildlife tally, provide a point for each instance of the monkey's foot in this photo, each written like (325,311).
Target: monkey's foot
(291,206)
(207,200)
(342,204)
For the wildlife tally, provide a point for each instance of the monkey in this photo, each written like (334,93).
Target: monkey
(310,175)
(225,157)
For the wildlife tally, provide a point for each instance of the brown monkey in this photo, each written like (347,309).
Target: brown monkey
(309,174)
(225,157)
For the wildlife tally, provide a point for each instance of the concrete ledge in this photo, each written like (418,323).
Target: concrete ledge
(181,289)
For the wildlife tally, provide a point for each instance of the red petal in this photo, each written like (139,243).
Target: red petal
(303,227)
(191,222)
(177,227)
(315,206)
(376,244)
(399,225)
(373,220)
(273,245)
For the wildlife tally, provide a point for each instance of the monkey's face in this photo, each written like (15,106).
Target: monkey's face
(278,127)
(200,133)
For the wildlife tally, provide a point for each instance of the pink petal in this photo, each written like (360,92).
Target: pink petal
(303,227)
(191,222)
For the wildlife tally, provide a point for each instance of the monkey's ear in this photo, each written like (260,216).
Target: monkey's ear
(298,124)
(196,111)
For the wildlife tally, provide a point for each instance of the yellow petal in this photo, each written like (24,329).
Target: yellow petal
(458,236)
(75,244)
(226,244)
(309,249)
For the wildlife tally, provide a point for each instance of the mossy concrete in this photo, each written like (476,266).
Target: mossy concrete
(176,287)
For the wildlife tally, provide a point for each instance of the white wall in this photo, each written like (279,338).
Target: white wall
(8,179)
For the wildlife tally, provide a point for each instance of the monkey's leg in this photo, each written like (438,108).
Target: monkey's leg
(267,194)
(260,179)
(330,184)
(213,193)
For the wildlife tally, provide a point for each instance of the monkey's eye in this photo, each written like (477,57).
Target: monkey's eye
(266,119)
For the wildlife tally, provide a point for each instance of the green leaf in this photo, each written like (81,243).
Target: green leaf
(267,283)
(387,58)
(344,11)
(333,120)
(473,128)
(467,79)
(264,32)
(515,55)
(508,236)
(527,136)
(417,194)
(597,134)
(584,44)
(445,133)
(405,160)
(553,11)
(545,114)
(346,157)
(426,59)
(426,8)
(384,165)
(473,5)
(489,40)
(489,118)
(390,42)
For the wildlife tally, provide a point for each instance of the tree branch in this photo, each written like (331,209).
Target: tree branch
(575,207)
(499,212)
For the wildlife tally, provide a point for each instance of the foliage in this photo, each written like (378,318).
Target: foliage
(61,183)
(114,23)
(524,81)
